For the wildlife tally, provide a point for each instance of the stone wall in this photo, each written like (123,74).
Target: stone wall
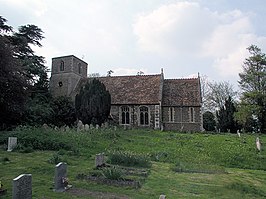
(182,119)
(134,115)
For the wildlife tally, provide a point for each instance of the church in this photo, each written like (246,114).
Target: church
(138,101)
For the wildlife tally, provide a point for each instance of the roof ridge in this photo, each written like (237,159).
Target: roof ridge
(189,78)
(130,76)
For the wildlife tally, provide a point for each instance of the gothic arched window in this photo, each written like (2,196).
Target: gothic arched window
(62,66)
(144,115)
(125,114)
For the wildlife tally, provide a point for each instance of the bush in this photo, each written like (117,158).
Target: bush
(55,159)
(129,159)
(112,173)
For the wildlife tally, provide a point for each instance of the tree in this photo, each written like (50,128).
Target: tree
(93,103)
(253,84)
(12,83)
(209,123)
(216,93)
(22,72)
(63,111)
(225,117)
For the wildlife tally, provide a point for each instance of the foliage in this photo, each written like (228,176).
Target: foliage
(126,158)
(216,93)
(63,111)
(93,103)
(247,189)
(253,83)
(22,74)
(112,173)
(209,123)
(55,159)
(225,117)
(38,110)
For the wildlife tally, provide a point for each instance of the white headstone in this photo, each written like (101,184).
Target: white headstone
(258,144)
(12,143)
(99,160)
(60,175)
(97,126)
(80,126)
(22,187)
(87,127)
(238,133)
(162,197)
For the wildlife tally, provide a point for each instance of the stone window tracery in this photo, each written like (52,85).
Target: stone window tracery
(125,115)
(144,115)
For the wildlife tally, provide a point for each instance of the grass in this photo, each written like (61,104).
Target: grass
(234,166)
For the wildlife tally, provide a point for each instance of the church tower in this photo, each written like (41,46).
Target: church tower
(66,73)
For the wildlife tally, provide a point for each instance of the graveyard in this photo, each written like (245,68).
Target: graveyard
(131,163)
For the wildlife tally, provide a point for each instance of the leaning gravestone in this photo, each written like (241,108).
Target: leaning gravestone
(12,143)
(99,160)
(22,187)
(60,175)
(80,126)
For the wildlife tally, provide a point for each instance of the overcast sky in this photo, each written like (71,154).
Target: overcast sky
(184,38)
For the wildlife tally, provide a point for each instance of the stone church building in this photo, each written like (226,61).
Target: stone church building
(147,101)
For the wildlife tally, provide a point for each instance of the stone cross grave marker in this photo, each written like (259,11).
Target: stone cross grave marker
(99,160)
(12,143)
(22,187)
(60,175)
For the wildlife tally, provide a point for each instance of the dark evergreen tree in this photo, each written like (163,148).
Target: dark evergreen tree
(93,103)
(225,117)
(209,122)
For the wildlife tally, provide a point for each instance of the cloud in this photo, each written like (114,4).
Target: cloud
(186,29)
(128,71)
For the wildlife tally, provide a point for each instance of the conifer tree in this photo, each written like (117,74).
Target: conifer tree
(93,103)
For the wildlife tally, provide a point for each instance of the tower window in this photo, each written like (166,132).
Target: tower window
(125,114)
(60,84)
(62,66)
(144,115)
(79,66)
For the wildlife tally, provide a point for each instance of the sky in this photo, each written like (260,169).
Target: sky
(209,37)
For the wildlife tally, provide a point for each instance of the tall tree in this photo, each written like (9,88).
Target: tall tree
(216,93)
(253,83)
(93,103)
(22,72)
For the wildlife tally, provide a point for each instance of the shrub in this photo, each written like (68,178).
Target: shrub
(55,159)
(112,173)
(129,159)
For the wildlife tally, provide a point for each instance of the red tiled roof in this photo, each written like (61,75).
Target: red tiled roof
(181,92)
(140,89)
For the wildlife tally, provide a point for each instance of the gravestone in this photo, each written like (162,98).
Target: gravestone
(91,126)
(162,197)
(238,133)
(60,176)
(22,187)
(80,126)
(12,143)
(87,127)
(115,128)
(97,126)
(258,144)
(67,128)
(99,160)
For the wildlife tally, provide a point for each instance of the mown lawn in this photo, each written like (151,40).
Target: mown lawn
(244,167)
